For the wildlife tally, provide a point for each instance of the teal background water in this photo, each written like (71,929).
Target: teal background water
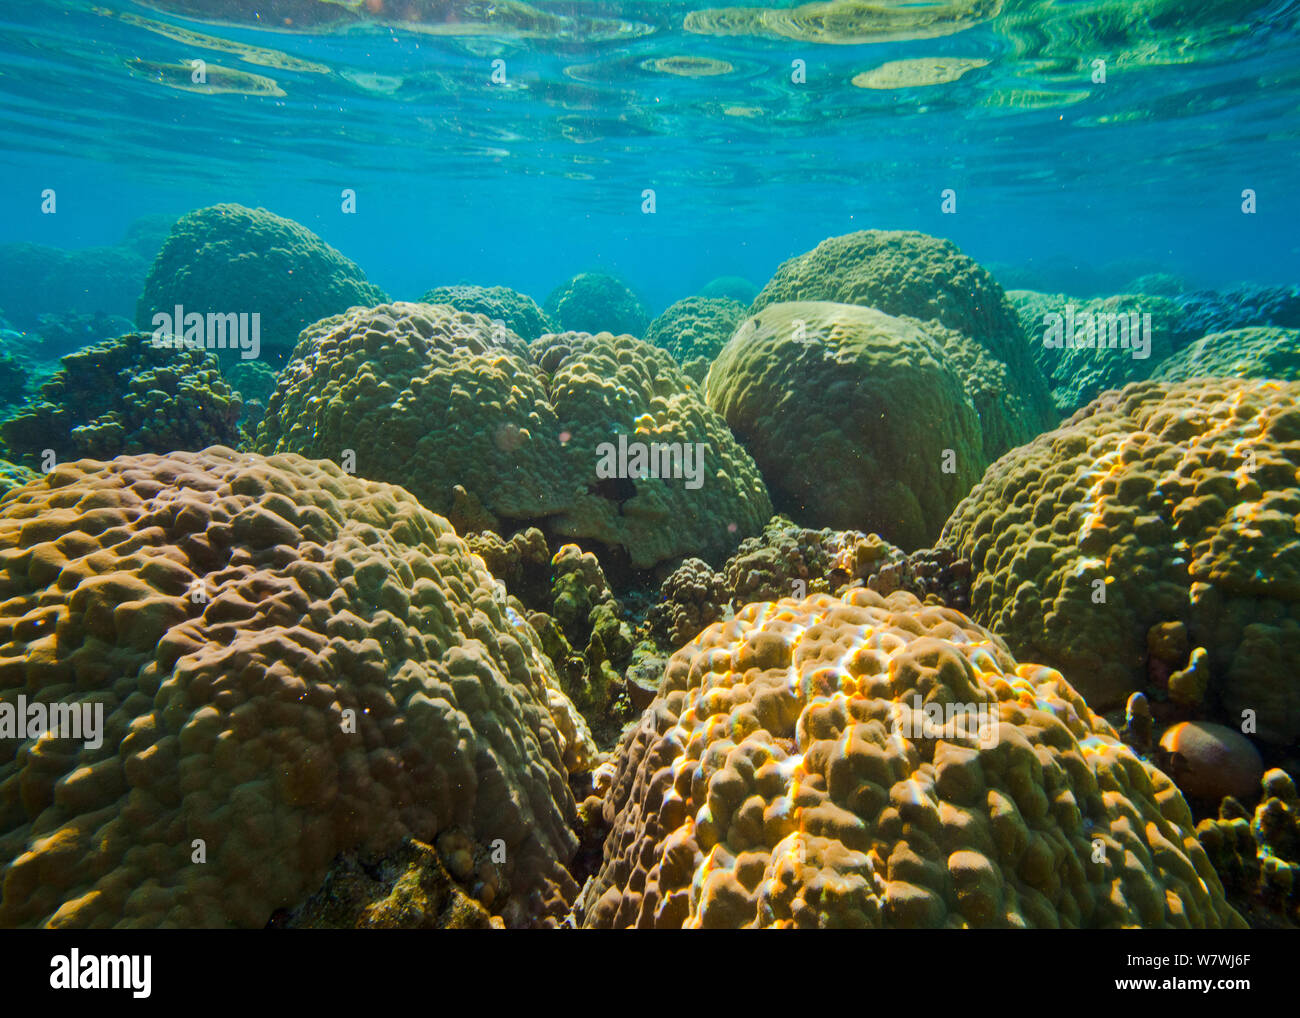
(524,184)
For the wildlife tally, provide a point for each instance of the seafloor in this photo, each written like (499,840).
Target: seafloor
(873,596)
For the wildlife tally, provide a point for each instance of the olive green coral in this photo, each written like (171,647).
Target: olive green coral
(291,663)
(1155,504)
(1258,352)
(228,259)
(696,327)
(855,418)
(517,311)
(1113,341)
(873,762)
(482,427)
(125,395)
(595,302)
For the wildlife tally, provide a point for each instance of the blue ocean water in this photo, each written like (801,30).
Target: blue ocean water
(526,180)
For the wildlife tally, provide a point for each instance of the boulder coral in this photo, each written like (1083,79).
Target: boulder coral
(125,395)
(696,327)
(792,773)
(1238,353)
(595,302)
(1155,504)
(517,311)
(1078,374)
(856,418)
(291,663)
(486,429)
(228,259)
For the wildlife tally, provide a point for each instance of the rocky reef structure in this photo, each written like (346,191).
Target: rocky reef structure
(792,773)
(1109,353)
(1239,353)
(828,400)
(125,396)
(516,310)
(696,327)
(292,663)
(595,302)
(228,259)
(1156,509)
(500,435)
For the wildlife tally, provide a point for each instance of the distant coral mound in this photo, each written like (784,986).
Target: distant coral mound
(594,302)
(1239,353)
(228,259)
(696,327)
(516,310)
(292,663)
(791,774)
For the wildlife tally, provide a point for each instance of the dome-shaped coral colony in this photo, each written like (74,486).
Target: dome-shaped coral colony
(301,665)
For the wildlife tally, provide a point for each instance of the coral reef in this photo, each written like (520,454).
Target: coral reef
(291,663)
(825,397)
(1156,504)
(442,400)
(14,474)
(1205,312)
(125,396)
(518,311)
(60,333)
(731,288)
(791,773)
(594,302)
(1109,354)
(1258,858)
(228,259)
(696,327)
(1239,353)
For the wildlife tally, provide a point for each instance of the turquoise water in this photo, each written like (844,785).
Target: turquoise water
(530,180)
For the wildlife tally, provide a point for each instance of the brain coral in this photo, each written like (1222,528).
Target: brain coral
(785,777)
(1155,504)
(594,302)
(1076,374)
(228,259)
(479,426)
(696,327)
(1240,353)
(855,418)
(518,311)
(291,663)
(125,396)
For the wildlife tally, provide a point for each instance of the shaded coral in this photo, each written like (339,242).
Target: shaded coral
(786,777)
(125,396)
(1078,374)
(827,398)
(516,310)
(1258,858)
(14,474)
(292,663)
(228,259)
(594,302)
(439,399)
(1239,353)
(1155,504)
(730,287)
(696,327)
(1206,312)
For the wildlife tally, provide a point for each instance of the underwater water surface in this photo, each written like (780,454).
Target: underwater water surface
(610,464)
